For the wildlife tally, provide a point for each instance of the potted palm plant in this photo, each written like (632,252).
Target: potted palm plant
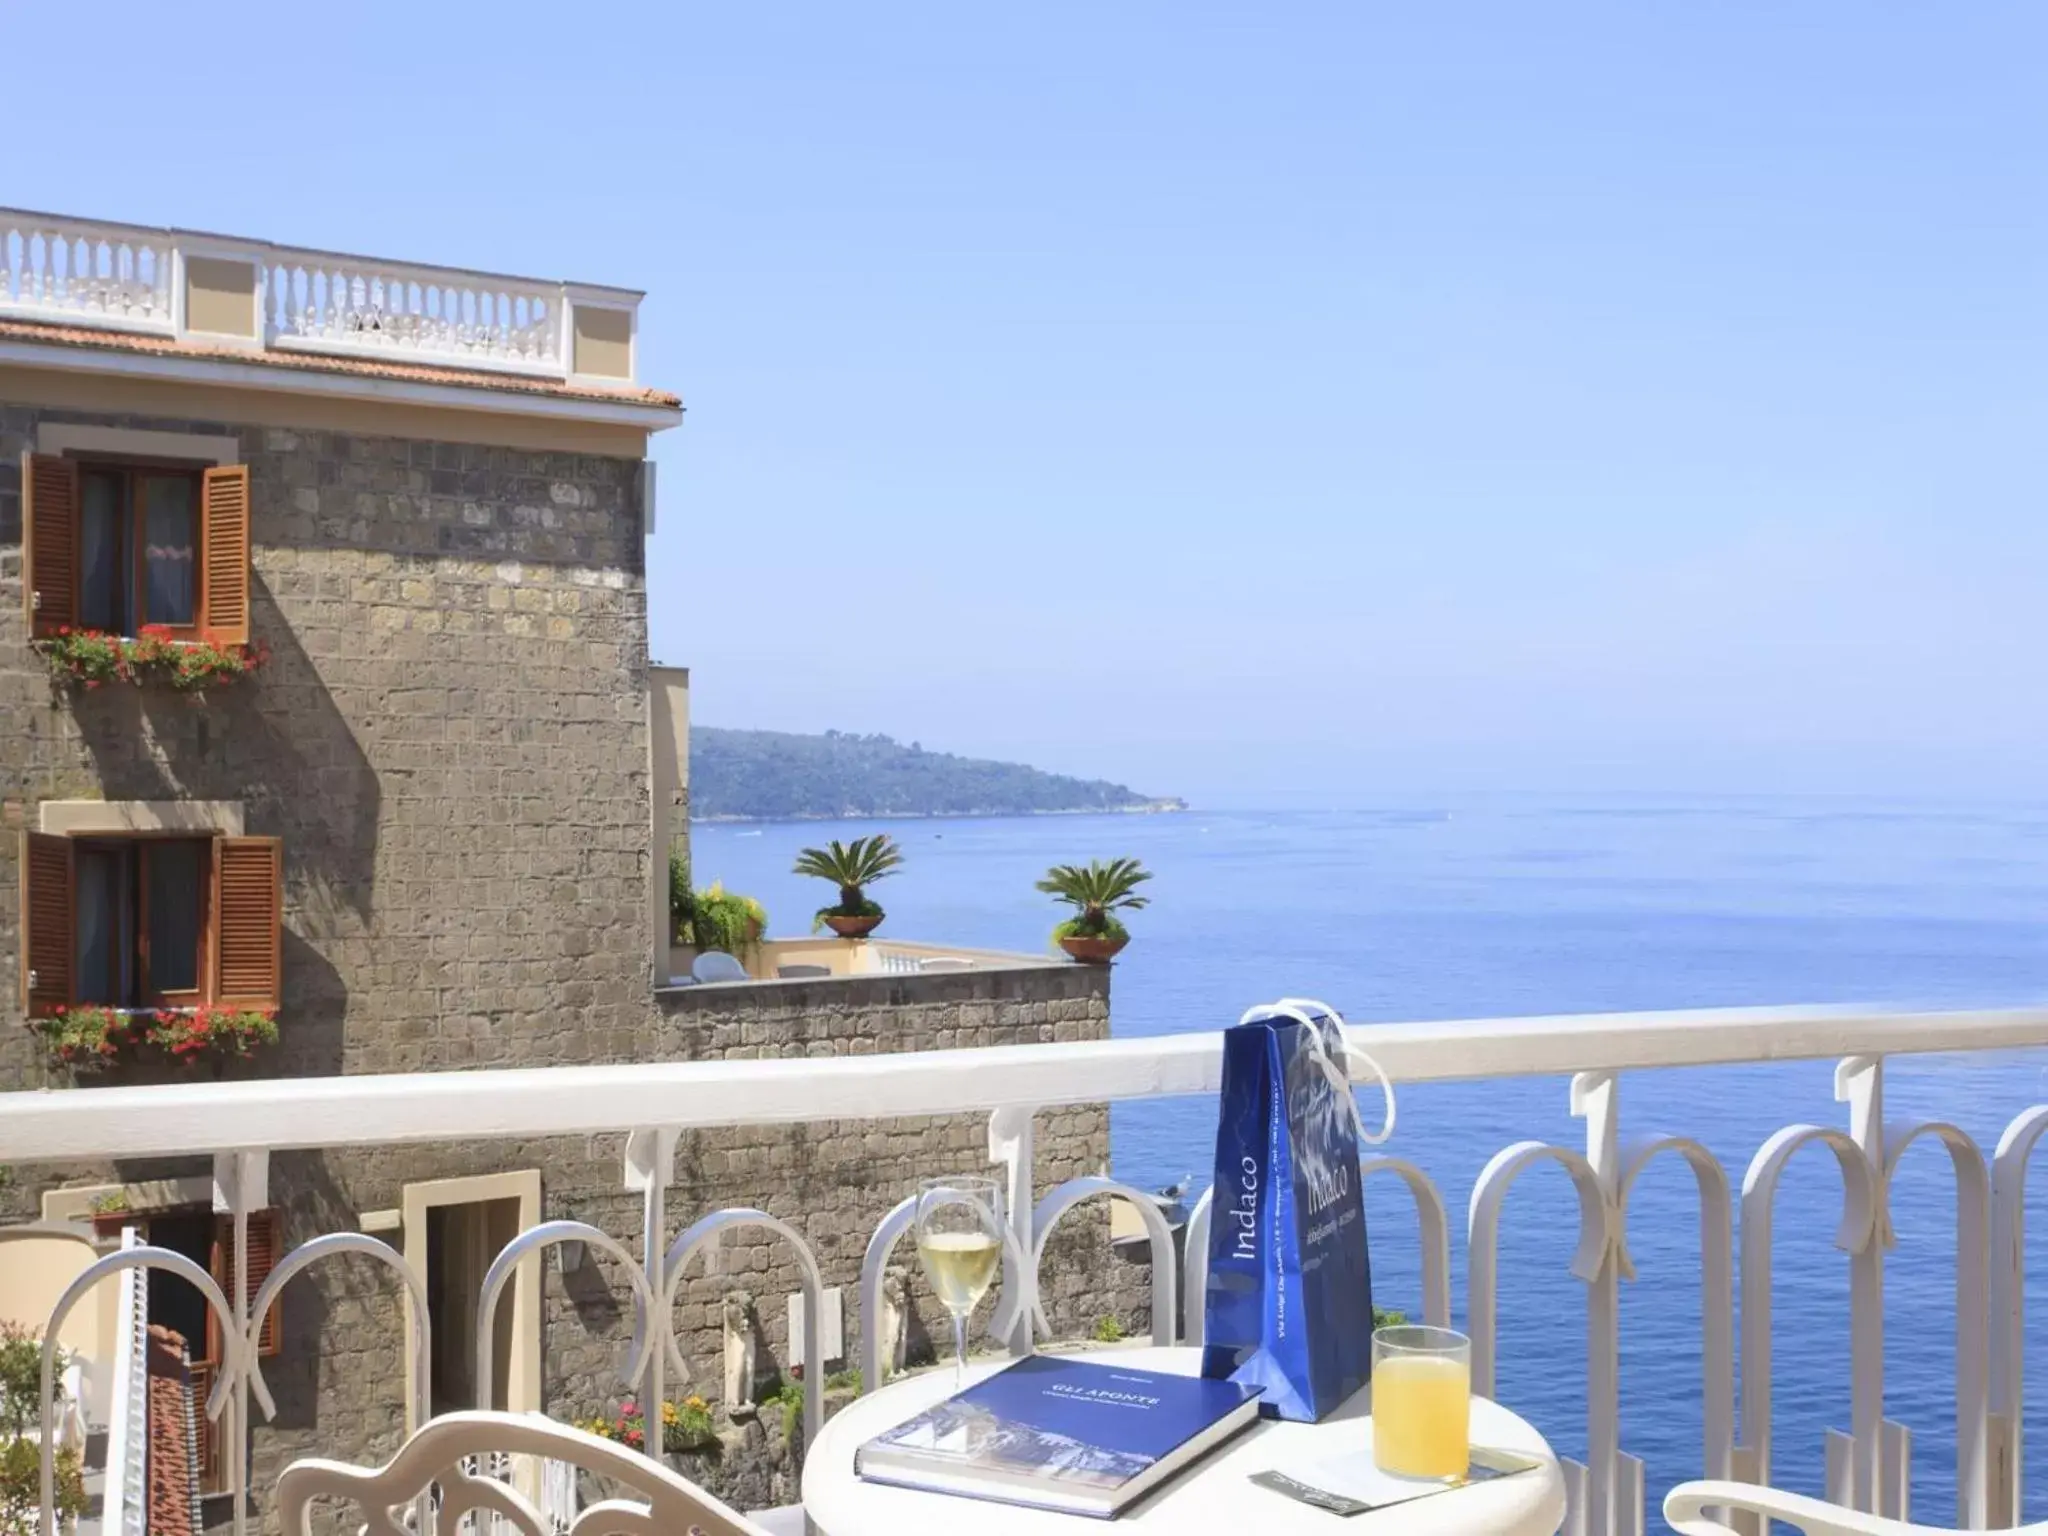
(1096,891)
(852,867)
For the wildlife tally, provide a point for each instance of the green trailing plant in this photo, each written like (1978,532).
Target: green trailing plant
(21,1411)
(786,1393)
(1109,1329)
(21,1498)
(852,867)
(682,900)
(1387,1317)
(722,919)
(21,1378)
(209,1030)
(92,658)
(1097,891)
(91,1038)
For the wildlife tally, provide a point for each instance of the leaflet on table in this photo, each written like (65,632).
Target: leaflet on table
(1069,1435)
(1352,1484)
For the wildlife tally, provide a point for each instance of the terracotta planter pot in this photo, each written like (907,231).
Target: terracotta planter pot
(1094,951)
(853,927)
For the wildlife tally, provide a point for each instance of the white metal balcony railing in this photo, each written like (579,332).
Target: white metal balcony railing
(122,277)
(124,1508)
(243,1123)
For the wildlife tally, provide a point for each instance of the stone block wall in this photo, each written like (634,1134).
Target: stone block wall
(450,739)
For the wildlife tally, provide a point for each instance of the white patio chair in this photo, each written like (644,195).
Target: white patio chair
(717,965)
(1684,1506)
(654,1498)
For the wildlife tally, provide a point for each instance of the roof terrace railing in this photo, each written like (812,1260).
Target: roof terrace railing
(251,294)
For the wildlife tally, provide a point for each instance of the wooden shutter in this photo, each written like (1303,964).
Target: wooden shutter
(224,548)
(49,531)
(47,924)
(263,1256)
(248,921)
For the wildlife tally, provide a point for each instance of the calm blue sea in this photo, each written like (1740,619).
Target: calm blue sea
(1485,907)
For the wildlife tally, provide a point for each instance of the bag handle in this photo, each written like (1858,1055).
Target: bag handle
(1300,1009)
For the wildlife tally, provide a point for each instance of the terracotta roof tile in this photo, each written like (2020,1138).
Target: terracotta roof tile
(93,339)
(171,1484)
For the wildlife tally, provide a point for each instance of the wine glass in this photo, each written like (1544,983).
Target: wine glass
(960,1242)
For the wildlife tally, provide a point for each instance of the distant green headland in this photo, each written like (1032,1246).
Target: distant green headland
(782,776)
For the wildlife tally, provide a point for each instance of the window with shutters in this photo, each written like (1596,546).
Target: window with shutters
(121,547)
(150,922)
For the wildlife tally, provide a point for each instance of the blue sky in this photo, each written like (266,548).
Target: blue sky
(1240,400)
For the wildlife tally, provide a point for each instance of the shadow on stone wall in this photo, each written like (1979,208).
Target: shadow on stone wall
(276,743)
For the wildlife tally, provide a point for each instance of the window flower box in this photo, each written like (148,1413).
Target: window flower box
(93,658)
(90,1038)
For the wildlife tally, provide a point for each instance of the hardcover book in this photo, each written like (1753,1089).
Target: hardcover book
(1068,1435)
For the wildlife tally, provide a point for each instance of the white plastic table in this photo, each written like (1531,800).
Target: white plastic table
(1215,1495)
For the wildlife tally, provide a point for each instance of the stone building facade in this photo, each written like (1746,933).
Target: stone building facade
(449,743)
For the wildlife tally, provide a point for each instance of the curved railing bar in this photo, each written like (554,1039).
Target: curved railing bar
(1717,1285)
(1973,1301)
(1019,1279)
(874,1266)
(2008,1292)
(872,1272)
(1194,1289)
(112,1264)
(1859,1227)
(1483,1243)
(546,1235)
(1435,1227)
(1047,1213)
(685,1247)
(312,1252)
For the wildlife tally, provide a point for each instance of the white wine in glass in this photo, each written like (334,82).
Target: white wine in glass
(960,1242)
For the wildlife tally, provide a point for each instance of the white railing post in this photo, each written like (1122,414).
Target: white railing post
(650,1164)
(241,1186)
(1869,1481)
(1593,1099)
(1011,1142)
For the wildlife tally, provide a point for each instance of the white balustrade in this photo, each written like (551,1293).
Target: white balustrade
(73,272)
(420,314)
(654,1102)
(76,272)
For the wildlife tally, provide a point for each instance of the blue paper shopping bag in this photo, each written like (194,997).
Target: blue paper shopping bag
(1289,1302)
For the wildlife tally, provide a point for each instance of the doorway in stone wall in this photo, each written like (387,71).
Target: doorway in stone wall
(454,1230)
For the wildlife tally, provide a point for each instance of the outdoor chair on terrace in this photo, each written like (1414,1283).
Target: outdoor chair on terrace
(1684,1506)
(717,965)
(643,1495)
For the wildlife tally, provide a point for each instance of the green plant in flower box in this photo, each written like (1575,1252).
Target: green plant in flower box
(92,658)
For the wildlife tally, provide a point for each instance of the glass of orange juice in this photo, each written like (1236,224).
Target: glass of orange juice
(1421,1401)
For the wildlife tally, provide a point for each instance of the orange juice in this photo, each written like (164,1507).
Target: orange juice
(1422,1415)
